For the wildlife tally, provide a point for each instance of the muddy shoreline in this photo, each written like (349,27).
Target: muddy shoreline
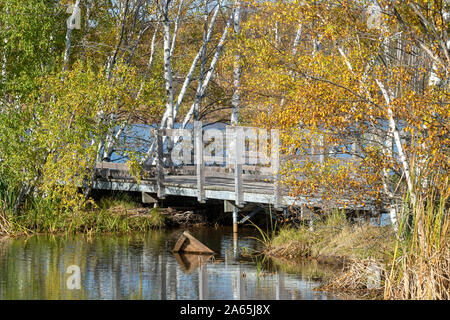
(174,216)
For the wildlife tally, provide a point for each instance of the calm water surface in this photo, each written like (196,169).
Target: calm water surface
(142,267)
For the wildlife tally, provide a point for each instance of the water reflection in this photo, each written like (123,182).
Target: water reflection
(142,267)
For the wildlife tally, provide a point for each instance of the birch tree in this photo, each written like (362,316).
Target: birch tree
(204,74)
(360,89)
(237,66)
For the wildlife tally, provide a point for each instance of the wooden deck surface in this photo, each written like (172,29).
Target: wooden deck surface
(218,185)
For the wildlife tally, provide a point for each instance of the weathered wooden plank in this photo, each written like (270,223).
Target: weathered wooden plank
(160,167)
(111,165)
(147,198)
(238,170)
(222,172)
(165,132)
(198,134)
(252,168)
(191,191)
(188,243)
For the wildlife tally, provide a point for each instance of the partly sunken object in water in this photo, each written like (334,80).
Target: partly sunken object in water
(188,243)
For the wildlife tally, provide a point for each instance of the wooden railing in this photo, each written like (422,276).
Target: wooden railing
(236,170)
(233,170)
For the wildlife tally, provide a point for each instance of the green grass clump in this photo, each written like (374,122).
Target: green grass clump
(333,237)
(109,215)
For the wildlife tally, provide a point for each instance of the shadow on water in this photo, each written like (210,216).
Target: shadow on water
(141,266)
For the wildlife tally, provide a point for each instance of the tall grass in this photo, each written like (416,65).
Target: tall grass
(420,267)
(266,236)
(7,201)
(111,215)
(333,238)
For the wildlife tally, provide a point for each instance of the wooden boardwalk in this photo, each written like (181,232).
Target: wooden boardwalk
(234,182)
(215,187)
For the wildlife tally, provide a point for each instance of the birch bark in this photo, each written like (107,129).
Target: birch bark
(188,79)
(168,77)
(235,100)
(210,72)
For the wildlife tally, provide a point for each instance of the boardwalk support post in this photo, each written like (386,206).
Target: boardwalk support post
(198,136)
(160,165)
(239,194)
(238,188)
(321,149)
(235,219)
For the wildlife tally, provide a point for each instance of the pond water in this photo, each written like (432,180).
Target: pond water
(141,266)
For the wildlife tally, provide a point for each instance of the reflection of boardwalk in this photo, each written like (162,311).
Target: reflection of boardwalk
(121,268)
(242,282)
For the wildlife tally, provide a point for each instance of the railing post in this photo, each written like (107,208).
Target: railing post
(275,155)
(198,136)
(239,194)
(354,151)
(160,165)
(321,149)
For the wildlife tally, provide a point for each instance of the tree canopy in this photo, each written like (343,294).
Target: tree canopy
(358,89)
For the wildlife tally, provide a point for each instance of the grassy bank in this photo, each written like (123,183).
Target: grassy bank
(334,239)
(108,215)
(376,261)
(336,242)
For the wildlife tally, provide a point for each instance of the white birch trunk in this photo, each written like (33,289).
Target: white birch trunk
(190,74)
(152,48)
(175,29)
(111,141)
(4,55)
(201,76)
(86,31)
(235,100)
(167,64)
(396,135)
(187,80)
(150,59)
(168,77)
(4,62)
(298,35)
(210,71)
(387,144)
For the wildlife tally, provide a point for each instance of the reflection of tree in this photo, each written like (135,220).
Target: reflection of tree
(128,267)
